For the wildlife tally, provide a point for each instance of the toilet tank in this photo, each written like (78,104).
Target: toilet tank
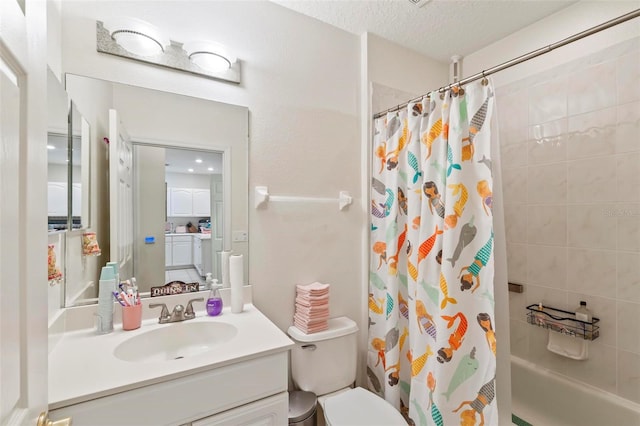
(325,362)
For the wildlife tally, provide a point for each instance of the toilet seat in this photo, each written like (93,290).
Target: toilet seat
(359,407)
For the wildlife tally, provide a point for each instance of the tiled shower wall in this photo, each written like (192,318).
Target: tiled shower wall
(570,146)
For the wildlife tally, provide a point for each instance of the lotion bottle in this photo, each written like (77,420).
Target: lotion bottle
(214,302)
(584,314)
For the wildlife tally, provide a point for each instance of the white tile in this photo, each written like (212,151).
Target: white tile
(602,308)
(628,277)
(552,297)
(514,155)
(547,142)
(628,177)
(628,226)
(628,377)
(517,263)
(515,221)
(628,127)
(592,134)
(516,136)
(547,266)
(517,305)
(592,89)
(513,110)
(589,226)
(547,184)
(519,338)
(514,185)
(598,370)
(629,326)
(628,77)
(548,101)
(592,179)
(547,225)
(591,272)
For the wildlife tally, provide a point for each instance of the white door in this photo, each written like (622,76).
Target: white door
(23,248)
(120,195)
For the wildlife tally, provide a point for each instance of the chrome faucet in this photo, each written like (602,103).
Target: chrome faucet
(179,312)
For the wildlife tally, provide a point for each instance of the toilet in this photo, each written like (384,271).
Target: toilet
(325,363)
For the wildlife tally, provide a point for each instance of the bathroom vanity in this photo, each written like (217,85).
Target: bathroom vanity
(225,370)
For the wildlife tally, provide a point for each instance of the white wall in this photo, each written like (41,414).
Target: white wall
(302,93)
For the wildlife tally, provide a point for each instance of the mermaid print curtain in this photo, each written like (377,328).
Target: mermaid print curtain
(431,345)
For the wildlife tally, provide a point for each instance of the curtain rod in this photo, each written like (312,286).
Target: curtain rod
(525,57)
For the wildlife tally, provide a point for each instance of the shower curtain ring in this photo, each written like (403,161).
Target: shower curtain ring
(484,79)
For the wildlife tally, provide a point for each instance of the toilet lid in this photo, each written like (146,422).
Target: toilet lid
(359,407)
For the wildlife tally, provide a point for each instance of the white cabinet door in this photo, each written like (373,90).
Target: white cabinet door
(57,198)
(272,411)
(181,251)
(201,202)
(167,251)
(181,202)
(197,254)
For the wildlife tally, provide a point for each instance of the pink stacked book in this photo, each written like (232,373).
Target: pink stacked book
(312,307)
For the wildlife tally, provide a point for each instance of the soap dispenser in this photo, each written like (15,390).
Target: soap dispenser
(214,302)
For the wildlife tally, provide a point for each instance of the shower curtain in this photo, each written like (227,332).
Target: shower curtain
(431,345)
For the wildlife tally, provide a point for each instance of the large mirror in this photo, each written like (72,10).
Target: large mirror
(188,180)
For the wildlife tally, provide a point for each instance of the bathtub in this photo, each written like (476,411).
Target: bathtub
(544,398)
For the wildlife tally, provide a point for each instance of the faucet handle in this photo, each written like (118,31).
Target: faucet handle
(164,314)
(189,313)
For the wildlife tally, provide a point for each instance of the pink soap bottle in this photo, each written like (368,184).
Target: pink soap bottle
(214,302)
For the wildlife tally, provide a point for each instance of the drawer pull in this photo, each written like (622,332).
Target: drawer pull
(310,347)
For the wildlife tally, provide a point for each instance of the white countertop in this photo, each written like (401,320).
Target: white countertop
(82,365)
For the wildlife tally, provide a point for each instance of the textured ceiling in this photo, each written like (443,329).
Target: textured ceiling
(438,29)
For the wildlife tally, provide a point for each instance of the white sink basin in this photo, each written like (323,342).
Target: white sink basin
(175,341)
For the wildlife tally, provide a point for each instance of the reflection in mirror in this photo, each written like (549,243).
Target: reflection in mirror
(57,154)
(180,125)
(178,193)
(79,169)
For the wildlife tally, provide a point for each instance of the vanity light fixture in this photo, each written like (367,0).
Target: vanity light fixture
(138,40)
(137,36)
(209,56)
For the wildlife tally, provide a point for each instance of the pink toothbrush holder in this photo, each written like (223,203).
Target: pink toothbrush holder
(131,317)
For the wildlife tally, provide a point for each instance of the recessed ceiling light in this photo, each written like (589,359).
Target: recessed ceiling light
(190,170)
(51,147)
(198,160)
(210,169)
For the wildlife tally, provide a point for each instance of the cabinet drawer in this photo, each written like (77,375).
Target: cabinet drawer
(272,411)
(182,239)
(185,399)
